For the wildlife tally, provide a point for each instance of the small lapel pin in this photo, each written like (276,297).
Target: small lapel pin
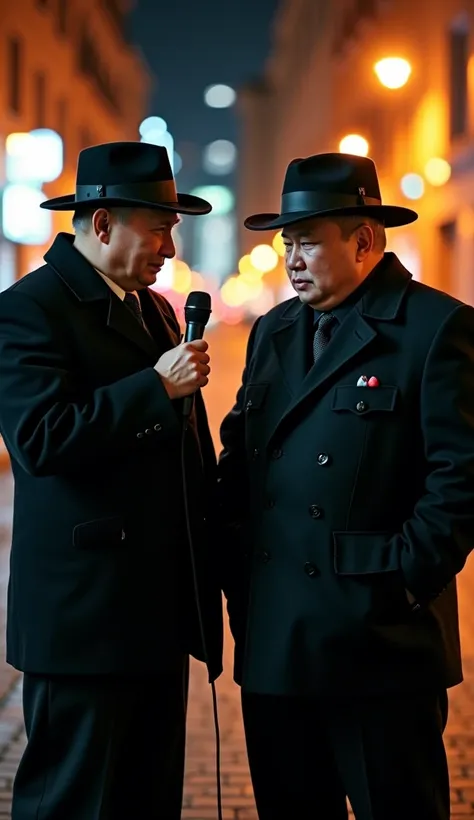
(373,382)
(362,381)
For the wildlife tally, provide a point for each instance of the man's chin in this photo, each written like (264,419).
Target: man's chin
(147,278)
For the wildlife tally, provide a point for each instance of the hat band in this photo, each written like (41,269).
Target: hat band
(156,192)
(318,201)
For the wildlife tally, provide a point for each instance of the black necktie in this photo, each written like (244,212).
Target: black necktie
(322,334)
(134,306)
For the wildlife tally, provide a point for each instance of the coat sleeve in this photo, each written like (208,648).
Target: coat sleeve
(47,428)
(233,485)
(437,539)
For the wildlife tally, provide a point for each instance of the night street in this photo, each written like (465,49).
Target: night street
(227,349)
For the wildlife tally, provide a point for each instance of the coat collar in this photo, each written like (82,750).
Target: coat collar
(382,301)
(87,286)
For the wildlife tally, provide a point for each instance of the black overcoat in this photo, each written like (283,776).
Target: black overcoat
(342,497)
(101,578)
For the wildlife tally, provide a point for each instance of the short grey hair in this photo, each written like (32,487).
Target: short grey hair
(349,224)
(82,218)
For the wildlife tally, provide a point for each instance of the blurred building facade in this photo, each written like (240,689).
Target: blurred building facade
(320,85)
(66,65)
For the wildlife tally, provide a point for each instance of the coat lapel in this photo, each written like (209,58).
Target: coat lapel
(162,326)
(381,302)
(291,341)
(121,320)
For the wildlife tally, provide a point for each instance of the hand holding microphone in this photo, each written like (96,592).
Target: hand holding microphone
(185,368)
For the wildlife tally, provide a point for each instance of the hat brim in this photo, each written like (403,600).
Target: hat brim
(186,204)
(392,216)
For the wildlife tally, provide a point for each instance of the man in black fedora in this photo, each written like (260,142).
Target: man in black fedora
(347,486)
(103,609)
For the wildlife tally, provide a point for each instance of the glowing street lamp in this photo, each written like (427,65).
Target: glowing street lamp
(393,72)
(354,144)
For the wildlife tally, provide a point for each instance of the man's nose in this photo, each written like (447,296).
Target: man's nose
(168,248)
(294,260)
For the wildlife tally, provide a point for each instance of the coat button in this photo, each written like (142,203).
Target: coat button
(265,557)
(149,431)
(323,459)
(277,453)
(123,535)
(157,428)
(139,435)
(270,503)
(255,453)
(315,511)
(310,570)
(249,404)
(361,406)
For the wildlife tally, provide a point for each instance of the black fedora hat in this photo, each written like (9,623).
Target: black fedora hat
(132,174)
(331,185)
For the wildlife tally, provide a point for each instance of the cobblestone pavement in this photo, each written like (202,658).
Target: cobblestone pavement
(200,791)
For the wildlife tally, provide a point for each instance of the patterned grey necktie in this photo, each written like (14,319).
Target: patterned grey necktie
(131,301)
(322,334)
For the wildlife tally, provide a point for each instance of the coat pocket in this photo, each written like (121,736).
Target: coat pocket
(365,400)
(369,574)
(364,553)
(102,533)
(255,396)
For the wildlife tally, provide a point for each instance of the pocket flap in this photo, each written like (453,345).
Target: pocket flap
(363,553)
(102,533)
(255,396)
(361,400)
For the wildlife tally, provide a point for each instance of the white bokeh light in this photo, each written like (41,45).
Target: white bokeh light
(154,125)
(413,186)
(23,220)
(220,157)
(34,157)
(219,96)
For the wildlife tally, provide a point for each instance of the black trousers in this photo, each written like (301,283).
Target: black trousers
(103,748)
(386,754)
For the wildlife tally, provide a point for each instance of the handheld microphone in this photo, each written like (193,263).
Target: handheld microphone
(197,311)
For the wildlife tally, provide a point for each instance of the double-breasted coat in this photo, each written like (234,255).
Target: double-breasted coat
(339,498)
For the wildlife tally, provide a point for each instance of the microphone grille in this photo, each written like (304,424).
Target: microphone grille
(198,307)
(199,299)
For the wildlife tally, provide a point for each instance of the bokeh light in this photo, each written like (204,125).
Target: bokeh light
(354,144)
(34,157)
(177,163)
(221,198)
(152,125)
(278,244)
(393,72)
(264,258)
(182,277)
(413,186)
(220,157)
(219,96)
(437,171)
(248,272)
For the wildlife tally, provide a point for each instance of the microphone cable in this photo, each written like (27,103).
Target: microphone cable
(200,618)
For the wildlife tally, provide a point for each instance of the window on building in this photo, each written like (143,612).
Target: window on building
(40,99)
(458,78)
(63,8)
(14,72)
